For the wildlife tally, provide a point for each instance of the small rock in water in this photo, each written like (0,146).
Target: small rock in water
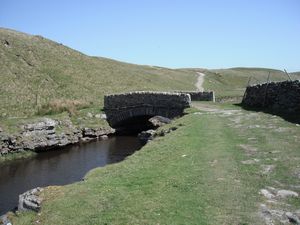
(145,136)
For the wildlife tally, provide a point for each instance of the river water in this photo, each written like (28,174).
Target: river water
(60,167)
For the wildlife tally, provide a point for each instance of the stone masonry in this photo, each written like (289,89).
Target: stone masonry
(283,97)
(200,95)
(121,107)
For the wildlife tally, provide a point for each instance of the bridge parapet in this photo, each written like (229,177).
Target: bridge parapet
(200,95)
(121,108)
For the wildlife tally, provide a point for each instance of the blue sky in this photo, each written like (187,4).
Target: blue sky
(170,33)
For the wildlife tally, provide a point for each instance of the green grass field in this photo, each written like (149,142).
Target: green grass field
(209,171)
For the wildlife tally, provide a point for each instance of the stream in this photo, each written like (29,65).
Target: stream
(60,167)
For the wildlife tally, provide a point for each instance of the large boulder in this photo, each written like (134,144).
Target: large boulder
(158,121)
(30,200)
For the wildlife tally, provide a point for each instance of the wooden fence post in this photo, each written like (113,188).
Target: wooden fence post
(288,75)
(244,96)
(266,90)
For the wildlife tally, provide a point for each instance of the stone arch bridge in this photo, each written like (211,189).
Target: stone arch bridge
(133,109)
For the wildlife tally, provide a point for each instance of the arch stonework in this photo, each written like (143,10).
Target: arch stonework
(121,108)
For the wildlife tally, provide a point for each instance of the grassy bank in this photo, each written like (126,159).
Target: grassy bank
(201,173)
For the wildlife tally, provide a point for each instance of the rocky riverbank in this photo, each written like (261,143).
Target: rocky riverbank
(48,134)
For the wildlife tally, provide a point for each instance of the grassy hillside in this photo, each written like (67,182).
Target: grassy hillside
(35,71)
(231,83)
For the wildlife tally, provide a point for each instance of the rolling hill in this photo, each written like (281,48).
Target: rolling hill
(35,71)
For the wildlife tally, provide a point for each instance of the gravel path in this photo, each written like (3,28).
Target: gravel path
(200,81)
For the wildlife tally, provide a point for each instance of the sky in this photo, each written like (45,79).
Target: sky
(170,33)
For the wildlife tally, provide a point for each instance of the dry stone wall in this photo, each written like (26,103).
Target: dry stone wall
(283,97)
(200,95)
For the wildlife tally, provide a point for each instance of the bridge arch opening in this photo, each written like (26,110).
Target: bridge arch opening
(132,111)
(135,124)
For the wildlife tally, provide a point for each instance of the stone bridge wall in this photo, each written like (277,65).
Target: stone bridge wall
(121,107)
(281,97)
(200,95)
